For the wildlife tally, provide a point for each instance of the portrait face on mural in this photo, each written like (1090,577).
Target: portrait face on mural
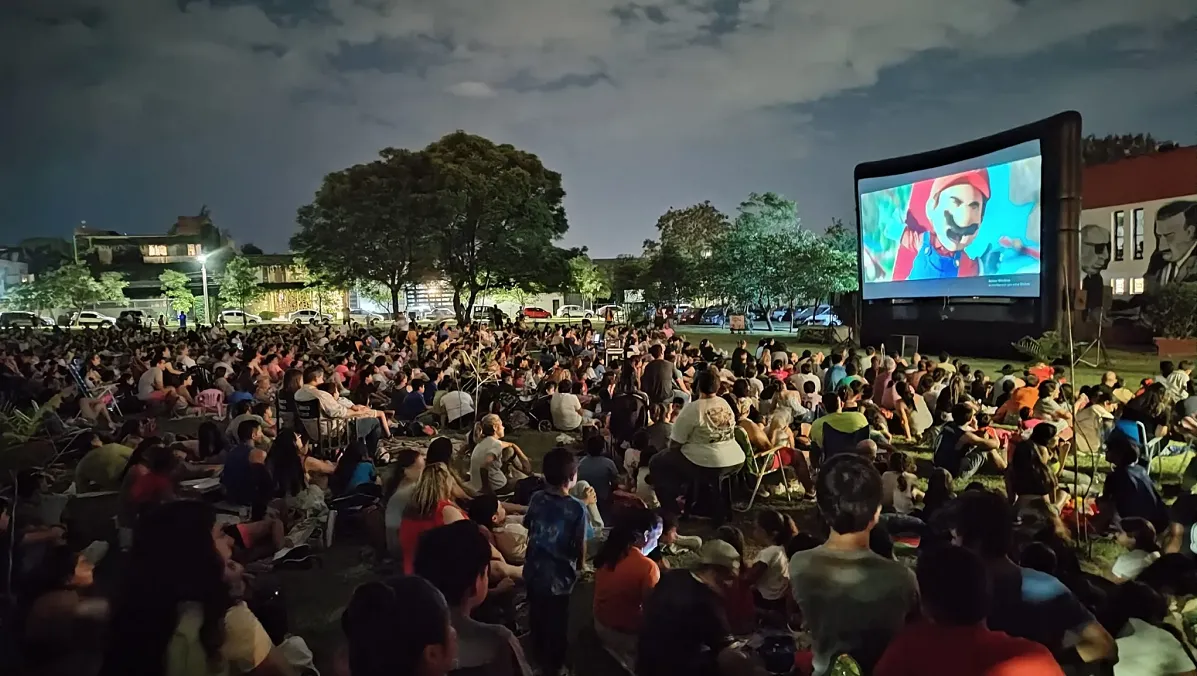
(1095,249)
(1176,230)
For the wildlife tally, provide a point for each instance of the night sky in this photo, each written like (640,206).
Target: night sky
(128,113)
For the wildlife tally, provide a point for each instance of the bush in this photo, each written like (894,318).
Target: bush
(1046,348)
(268,315)
(1171,312)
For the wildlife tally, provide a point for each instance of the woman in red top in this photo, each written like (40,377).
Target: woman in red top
(431,505)
(154,481)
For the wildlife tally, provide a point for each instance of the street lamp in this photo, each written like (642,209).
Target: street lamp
(203,261)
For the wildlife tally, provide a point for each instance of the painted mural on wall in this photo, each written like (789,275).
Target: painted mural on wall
(1173,261)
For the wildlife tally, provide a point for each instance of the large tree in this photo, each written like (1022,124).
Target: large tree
(627,274)
(70,286)
(748,265)
(367,224)
(495,212)
(239,285)
(687,237)
(1101,149)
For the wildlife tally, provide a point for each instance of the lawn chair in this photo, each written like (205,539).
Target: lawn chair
(107,393)
(329,435)
(1151,448)
(836,442)
(761,466)
(284,411)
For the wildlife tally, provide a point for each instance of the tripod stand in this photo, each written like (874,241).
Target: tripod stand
(1103,355)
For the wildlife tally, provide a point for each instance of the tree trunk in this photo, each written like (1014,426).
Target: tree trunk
(394,303)
(457,309)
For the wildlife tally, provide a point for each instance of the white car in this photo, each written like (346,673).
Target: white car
(92,318)
(571,311)
(239,317)
(617,312)
(441,314)
(367,318)
(309,316)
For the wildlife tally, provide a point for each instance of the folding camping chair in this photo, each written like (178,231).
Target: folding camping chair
(86,390)
(329,435)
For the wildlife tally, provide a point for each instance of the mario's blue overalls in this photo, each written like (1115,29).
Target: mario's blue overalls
(929,263)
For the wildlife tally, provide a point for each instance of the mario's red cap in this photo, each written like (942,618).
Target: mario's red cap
(977,178)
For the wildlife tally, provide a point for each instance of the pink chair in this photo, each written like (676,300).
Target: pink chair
(211,401)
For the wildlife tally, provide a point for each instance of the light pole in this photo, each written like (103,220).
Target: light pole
(203,261)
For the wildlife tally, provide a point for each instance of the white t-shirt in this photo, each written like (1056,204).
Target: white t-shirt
(457,404)
(1129,565)
(145,384)
(776,580)
(494,479)
(1147,650)
(186,361)
(892,496)
(706,429)
(564,408)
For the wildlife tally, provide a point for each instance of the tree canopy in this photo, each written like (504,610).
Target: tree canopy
(366,224)
(70,286)
(176,286)
(1101,149)
(495,213)
(586,279)
(482,215)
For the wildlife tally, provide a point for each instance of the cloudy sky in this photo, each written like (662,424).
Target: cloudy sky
(128,113)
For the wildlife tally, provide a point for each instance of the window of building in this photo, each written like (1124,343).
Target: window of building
(1119,234)
(156,250)
(1136,285)
(195,249)
(1119,286)
(1137,233)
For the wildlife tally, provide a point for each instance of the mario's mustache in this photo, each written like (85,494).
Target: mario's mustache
(956,232)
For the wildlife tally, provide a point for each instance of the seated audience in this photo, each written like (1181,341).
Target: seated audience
(399,627)
(624,577)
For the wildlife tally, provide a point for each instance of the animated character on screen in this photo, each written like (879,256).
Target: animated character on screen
(944,217)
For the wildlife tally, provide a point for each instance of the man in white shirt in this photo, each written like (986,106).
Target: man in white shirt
(150,387)
(459,407)
(184,357)
(567,412)
(365,422)
(487,473)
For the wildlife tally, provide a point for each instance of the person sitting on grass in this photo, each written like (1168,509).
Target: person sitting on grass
(180,611)
(1129,490)
(399,627)
(1027,603)
(624,577)
(431,505)
(1137,537)
(769,574)
(962,451)
(509,540)
(952,638)
(852,600)
(456,559)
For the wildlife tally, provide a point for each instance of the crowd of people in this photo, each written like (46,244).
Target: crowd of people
(904,570)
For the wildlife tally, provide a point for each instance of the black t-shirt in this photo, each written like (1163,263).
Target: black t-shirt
(685,627)
(657,381)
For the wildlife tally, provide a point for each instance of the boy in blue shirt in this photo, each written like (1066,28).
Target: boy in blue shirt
(556,524)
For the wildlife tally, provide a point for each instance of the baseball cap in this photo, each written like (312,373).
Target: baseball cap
(1122,395)
(719,553)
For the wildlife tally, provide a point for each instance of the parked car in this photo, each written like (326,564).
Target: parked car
(822,315)
(367,318)
(309,316)
(691,315)
(239,317)
(714,316)
(616,312)
(571,311)
(134,318)
(535,313)
(21,318)
(440,314)
(92,318)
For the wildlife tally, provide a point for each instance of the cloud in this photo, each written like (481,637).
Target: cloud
(472,90)
(139,104)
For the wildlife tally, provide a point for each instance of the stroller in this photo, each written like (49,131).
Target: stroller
(520,411)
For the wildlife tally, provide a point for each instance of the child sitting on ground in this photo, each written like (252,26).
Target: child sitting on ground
(738,600)
(1137,536)
(769,575)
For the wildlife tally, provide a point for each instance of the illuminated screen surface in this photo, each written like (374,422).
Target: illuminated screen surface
(965,229)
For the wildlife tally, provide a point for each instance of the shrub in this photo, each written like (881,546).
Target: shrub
(268,315)
(1047,348)
(1171,312)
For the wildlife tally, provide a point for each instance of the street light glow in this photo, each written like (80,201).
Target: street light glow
(202,258)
